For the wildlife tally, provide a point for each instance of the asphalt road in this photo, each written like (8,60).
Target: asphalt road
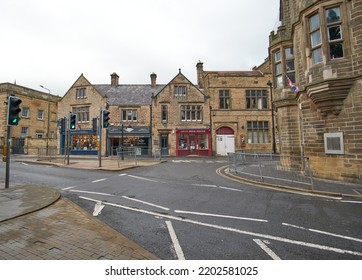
(183,209)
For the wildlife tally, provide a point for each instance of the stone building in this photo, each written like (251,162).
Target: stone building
(316,58)
(129,107)
(240,104)
(181,119)
(38,125)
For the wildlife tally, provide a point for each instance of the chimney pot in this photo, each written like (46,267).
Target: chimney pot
(153,79)
(114,79)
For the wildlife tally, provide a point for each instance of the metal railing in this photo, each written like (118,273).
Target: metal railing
(272,168)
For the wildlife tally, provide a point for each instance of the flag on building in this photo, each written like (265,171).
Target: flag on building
(292,85)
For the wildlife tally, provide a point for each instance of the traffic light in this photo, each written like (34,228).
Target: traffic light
(105,118)
(13,110)
(72,121)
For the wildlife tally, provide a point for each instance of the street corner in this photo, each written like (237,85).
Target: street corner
(19,200)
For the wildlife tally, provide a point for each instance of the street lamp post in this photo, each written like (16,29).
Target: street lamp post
(270,84)
(47,135)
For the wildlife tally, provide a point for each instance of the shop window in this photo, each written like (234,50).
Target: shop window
(224,97)
(256,99)
(204,143)
(258,132)
(191,113)
(129,116)
(84,142)
(182,141)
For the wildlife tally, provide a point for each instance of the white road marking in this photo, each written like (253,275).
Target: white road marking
(176,243)
(266,249)
(351,201)
(98,208)
(215,186)
(107,194)
(23,163)
(324,232)
(147,203)
(123,174)
(220,216)
(249,233)
(230,189)
(99,180)
(68,188)
(141,178)
(205,185)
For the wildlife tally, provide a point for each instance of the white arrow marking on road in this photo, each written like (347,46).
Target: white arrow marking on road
(244,232)
(98,208)
(99,180)
(147,203)
(323,232)
(266,249)
(220,216)
(176,244)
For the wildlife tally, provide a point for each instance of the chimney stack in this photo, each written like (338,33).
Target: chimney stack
(114,79)
(200,74)
(153,79)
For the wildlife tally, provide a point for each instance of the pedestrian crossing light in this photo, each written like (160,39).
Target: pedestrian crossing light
(106,119)
(72,121)
(13,110)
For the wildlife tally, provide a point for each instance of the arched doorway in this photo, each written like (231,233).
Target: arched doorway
(225,141)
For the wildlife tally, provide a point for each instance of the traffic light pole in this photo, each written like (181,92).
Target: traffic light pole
(100,138)
(7,175)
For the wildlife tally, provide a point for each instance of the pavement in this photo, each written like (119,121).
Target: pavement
(37,223)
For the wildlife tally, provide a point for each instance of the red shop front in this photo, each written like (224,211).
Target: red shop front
(193,142)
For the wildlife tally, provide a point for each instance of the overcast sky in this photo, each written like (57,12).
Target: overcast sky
(51,42)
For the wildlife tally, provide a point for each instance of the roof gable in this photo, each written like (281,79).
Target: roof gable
(181,79)
(82,81)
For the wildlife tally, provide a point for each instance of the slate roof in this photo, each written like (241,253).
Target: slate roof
(128,94)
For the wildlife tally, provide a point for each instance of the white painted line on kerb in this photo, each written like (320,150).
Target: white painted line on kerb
(244,232)
(266,249)
(99,180)
(107,194)
(147,203)
(176,244)
(324,232)
(220,216)
(141,178)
